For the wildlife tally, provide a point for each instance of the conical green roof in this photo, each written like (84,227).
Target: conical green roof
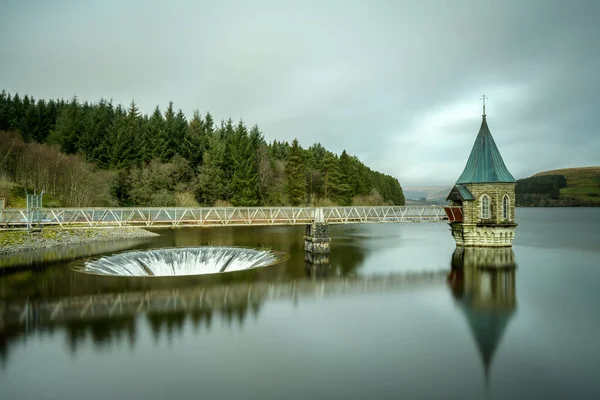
(485,164)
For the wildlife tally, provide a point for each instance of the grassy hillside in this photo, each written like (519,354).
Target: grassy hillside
(17,199)
(582,183)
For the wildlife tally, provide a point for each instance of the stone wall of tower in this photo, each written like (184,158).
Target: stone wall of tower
(494,231)
(496,192)
(472,235)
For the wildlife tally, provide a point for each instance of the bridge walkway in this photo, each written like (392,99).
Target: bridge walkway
(161,217)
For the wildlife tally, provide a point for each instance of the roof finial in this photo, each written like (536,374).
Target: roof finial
(483,97)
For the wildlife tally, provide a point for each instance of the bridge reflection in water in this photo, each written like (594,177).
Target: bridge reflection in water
(113,315)
(482,281)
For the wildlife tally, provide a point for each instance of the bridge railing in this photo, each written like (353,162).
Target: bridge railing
(365,214)
(214,216)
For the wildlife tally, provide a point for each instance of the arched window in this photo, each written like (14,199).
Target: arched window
(485,207)
(505,204)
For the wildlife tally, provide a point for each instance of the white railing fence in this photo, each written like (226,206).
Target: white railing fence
(215,216)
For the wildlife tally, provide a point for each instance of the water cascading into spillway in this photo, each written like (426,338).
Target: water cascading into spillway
(182,261)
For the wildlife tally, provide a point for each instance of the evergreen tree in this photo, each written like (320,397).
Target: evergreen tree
(155,135)
(217,163)
(345,189)
(245,175)
(294,170)
(256,138)
(5,101)
(65,133)
(121,189)
(266,183)
(15,112)
(128,143)
(312,175)
(361,182)
(168,146)
(209,126)
(146,146)
(49,115)
(180,128)
(117,142)
(193,142)
(30,122)
(228,137)
(211,179)
(331,176)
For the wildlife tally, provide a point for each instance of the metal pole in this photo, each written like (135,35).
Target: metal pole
(27,217)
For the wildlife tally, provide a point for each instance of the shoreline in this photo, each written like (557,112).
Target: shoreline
(12,242)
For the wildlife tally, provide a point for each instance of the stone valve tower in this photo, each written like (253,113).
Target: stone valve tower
(481,211)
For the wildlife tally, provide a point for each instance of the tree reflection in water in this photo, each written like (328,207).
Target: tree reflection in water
(43,289)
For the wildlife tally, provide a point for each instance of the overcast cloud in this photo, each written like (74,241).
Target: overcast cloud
(396,83)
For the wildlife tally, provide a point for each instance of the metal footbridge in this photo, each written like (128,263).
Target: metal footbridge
(161,217)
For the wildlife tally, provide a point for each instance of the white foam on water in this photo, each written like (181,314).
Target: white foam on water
(181,261)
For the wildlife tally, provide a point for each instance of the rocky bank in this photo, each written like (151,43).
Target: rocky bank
(17,241)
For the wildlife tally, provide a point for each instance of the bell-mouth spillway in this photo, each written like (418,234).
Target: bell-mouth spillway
(182,261)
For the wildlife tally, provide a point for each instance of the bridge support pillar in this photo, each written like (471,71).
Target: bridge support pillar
(316,246)
(316,240)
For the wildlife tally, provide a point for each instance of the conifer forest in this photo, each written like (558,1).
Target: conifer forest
(105,154)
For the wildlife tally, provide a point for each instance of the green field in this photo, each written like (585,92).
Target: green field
(582,183)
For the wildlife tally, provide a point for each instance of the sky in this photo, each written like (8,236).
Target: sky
(396,83)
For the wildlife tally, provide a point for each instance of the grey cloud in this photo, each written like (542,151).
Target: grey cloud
(394,82)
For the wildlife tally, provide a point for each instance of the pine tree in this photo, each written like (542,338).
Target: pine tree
(331,176)
(15,112)
(294,170)
(193,142)
(345,189)
(90,129)
(256,138)
(361,183)
(121,188)
(168,146)
(30,122)
(180,128)
(211,179)
(219,163)
(66,131)
(245,174)
(209,126)
(228,137)
(117,141)
(48,120)
(129,142)
(4,106)
(155,134)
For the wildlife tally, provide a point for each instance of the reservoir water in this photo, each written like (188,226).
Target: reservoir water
(397,313)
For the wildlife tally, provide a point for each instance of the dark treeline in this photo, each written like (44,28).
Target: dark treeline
(164,159)
(540,191)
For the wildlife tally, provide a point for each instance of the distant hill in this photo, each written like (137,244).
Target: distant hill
(429,193)
(582,183)
(580,187)
(440,196)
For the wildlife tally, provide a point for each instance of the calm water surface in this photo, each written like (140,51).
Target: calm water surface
(471,332)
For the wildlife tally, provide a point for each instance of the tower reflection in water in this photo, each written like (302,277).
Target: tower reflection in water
(482,281)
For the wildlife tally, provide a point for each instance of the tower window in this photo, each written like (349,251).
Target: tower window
(505,203)
(485,207)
